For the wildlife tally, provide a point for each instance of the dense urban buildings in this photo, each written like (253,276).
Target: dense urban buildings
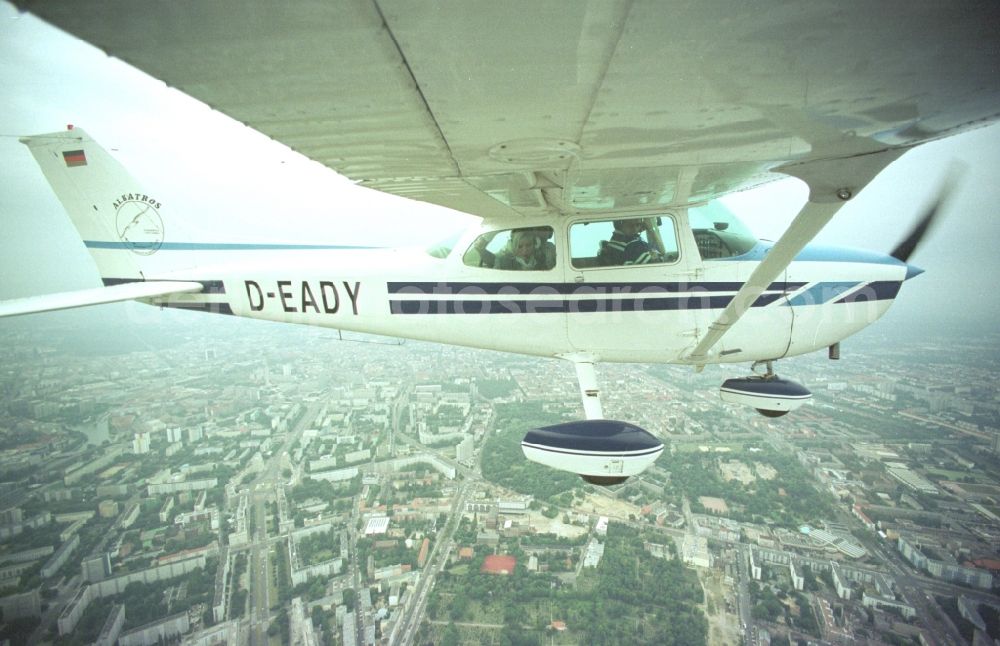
(240,483)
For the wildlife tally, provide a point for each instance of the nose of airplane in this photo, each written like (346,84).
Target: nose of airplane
(912,270)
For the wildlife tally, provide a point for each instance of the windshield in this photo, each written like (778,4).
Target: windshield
(442,248)
(718,232)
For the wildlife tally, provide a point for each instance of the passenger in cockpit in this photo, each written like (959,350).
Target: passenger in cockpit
(521,252)
(546,249)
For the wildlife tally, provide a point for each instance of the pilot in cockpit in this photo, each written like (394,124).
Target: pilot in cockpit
(626,246)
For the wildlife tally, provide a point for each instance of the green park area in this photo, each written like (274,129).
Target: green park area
(629,598)
(503,461)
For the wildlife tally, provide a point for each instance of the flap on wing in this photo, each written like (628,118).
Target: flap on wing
(97,296)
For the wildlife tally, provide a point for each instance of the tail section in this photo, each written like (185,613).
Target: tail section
(119,221)
(120,224)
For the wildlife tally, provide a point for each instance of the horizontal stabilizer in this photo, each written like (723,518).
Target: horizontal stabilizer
(97,296)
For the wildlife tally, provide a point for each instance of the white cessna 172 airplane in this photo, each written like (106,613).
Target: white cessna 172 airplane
(592,138)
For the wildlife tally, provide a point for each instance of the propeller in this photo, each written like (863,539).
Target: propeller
(905,249)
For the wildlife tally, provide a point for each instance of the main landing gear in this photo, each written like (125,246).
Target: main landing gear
(601,451)
(771,395)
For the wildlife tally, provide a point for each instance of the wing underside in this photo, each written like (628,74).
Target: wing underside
(521,107)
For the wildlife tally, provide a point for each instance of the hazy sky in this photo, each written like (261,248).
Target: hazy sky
(253,188)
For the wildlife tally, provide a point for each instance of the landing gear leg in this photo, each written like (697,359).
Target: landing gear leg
(768,374)
(590,392)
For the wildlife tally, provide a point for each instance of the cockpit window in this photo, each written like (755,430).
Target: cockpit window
(718,233)
(525,249)
(626,241)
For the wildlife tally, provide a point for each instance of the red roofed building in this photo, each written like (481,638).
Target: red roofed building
(863,517)
(186,554)
(499,564)
(122,422)
(986,564)
(422,557)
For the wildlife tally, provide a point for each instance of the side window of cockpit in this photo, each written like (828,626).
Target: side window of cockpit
(710,245)
(525,249)
(623,242)
(718,233)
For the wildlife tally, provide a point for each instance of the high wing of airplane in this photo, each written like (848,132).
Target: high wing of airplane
(521,108)
(592,138)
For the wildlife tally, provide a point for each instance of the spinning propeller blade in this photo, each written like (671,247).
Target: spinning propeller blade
(905,249)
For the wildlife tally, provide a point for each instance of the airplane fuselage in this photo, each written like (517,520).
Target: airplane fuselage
(640,313)
(655,284)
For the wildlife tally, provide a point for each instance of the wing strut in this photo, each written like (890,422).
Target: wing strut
(831,184)
(590,392)
(806,225)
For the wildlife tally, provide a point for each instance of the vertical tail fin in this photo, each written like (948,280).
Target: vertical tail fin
(118,220)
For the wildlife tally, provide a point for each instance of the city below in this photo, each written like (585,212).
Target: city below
(242,483)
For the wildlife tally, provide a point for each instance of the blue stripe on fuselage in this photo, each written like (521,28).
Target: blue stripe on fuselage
(571,289)
(559,306)
(821,293)
(880,290)
(408,298)
(820,253)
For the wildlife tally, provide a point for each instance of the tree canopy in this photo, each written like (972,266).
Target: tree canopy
(503,461)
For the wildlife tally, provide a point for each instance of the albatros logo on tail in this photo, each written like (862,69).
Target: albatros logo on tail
(138,223)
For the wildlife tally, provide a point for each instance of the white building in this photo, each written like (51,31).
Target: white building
(694,551)
(377,525)
(140,443)
(463,452)
(592,556)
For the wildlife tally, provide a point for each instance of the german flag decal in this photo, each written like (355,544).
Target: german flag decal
(74,158)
